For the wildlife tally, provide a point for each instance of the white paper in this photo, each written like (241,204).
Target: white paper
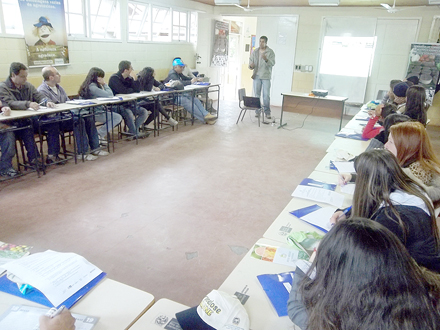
(321,217)
(319,195)
(57,275)
(19,317)
(344,167)
(348,188)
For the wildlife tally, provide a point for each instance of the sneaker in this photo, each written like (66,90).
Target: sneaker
(35,163)
(268,116)
(257,115)
(9,172)
(173,122)
(51,159)
(143,135)
(90,157)
(100,153)
(211,122)
(210,117)
(103,141)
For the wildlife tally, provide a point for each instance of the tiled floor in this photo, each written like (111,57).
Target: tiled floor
(174,214)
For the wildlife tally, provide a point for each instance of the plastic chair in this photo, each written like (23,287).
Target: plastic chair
(241,95)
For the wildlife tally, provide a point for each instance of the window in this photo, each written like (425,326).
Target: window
(193,28)
(161,20)
(104,19)
(75,23)
(12,17)
(139,23)
(180,23)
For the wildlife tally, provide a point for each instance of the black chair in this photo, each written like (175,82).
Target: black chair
(248,103)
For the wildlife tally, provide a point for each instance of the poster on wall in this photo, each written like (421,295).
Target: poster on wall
(221,42)
(424,63)
(44,32)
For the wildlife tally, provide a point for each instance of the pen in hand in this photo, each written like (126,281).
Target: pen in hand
(348,209)
(54,312)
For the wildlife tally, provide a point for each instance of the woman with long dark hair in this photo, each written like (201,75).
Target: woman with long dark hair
(384,193)
(148,83)
(416,107)
(95,86)
(410,143)
(363,278)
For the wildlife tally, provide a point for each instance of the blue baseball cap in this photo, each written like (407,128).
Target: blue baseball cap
(42,21)
(178,62)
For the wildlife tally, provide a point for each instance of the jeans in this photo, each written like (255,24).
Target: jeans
(112,117)
(85,134)
(265,83)
(186,101)
(53,133)
(7,146)
(27,136)
(134,117)
(155,108)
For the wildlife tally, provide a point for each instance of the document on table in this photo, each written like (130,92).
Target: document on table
(344,167)
(319,195)
(19,317)
(57,275)
(320,218)
(348,188)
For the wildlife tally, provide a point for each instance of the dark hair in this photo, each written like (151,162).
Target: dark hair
(264,37)
(365,279)
(390,120)
(16,67)
(413,79)
(378,175)
(415,107)
(124,65)
(146,79)
(388,109)
(92,77)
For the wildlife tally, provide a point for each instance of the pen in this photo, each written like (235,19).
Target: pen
(348,209)
(54,312)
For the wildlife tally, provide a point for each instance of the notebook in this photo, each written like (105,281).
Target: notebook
(251,102)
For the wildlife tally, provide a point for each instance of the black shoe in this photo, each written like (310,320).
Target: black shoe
(9,172)
(55,159)
(35,163)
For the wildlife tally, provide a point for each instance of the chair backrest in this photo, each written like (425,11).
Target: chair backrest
(241,93)
(381,94)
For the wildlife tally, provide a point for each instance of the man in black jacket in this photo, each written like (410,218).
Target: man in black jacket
(123,83)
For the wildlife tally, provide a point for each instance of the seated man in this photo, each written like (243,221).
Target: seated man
(123,83)
(18,94)
(186,100)
(7,146)
(85,133)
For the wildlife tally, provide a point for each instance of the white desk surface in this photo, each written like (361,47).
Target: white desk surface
(326,98)
(354,147)
(159,315)
(243,279)
(286,223)
(118,305)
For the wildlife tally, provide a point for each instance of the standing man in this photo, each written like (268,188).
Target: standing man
(261,61)
(123,82)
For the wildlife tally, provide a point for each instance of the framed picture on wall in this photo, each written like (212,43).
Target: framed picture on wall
(253,39)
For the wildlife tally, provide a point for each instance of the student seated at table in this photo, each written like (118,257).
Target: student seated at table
(416,106)
(363,278)
(85,128)
(148,83)
(399,92)
(94,86)
(384,193)
(187,100)
(123,82)
(19,94)
(63,321)
(380,139)
(410,143)
(389,96)
(380,113)
(7,146)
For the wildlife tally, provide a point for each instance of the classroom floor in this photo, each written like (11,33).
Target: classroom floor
(174,214)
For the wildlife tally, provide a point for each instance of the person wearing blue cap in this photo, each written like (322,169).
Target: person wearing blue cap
(186,100)
(43,30)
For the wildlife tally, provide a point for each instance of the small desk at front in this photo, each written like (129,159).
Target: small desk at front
(303,103)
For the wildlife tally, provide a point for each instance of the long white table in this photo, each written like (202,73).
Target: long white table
(117,305)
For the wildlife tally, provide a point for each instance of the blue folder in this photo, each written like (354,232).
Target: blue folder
(273,285)
(36,296)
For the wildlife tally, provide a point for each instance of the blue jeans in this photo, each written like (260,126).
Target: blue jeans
(186,101)
(27,136)
(265,85)
(53,133)
(85,134)
(7,147)
(134,117)
(112,117)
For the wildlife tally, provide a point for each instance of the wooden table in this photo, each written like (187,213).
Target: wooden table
(117,305)
(304,103)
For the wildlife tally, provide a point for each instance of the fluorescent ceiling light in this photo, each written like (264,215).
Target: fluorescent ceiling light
(323,2)
(227,2)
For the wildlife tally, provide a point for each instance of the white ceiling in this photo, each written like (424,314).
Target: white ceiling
(342,3)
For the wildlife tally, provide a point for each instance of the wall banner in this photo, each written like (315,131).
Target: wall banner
(45,34)
(221,43)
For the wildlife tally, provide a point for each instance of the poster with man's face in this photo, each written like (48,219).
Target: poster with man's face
(44,31)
